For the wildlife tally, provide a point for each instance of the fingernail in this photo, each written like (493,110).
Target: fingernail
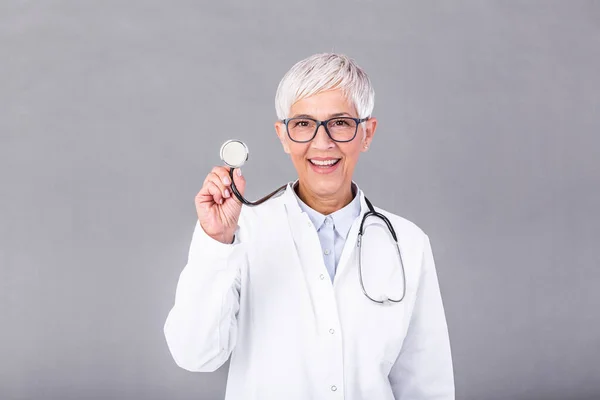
(239,172)
(226,181)
(226,192)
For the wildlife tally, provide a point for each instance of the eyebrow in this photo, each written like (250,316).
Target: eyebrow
(340,114)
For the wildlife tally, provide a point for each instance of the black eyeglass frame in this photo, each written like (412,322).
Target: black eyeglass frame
(358,121)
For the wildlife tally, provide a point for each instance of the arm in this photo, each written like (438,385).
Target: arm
(201,328)
(423,370)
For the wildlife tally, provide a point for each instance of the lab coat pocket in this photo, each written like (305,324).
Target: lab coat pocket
(392,331)
(374,333)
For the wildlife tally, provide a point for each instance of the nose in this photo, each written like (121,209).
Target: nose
(322,139)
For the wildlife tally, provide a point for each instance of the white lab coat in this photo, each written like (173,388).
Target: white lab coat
(267,301)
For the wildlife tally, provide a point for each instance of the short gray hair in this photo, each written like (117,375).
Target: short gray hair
(322,72)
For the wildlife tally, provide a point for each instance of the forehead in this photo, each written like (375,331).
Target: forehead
(323,103)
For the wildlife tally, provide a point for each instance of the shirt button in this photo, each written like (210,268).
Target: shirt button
(327,221)
(332,331)
(322,276)
(326,251)
(333,388)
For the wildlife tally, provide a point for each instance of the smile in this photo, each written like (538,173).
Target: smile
(324,163)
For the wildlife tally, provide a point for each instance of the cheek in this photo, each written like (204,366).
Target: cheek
(298,149)
(351,154)
(298,153)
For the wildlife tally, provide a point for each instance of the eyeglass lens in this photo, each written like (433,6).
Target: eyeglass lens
(304,129)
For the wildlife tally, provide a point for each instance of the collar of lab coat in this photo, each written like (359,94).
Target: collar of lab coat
(342,218)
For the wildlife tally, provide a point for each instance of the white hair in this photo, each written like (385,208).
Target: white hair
(322,72)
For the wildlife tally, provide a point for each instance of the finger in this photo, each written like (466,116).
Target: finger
(204,193)
(218,181)
(209,193)
(215,192)
(223,174)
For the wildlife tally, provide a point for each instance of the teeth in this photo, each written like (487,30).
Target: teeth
(324,163)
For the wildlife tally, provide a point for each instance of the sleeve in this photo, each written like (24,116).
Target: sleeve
(201,328)
(423,369)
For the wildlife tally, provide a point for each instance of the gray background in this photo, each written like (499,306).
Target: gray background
(112,113)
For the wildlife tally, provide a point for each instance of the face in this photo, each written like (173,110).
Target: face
(329,181)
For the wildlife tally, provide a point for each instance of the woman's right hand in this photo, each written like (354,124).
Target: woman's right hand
(217,207)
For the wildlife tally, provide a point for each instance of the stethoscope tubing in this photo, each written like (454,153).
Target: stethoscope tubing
(361,231)
(241,198)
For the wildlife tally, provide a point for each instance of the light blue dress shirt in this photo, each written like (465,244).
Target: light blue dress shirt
(333,229)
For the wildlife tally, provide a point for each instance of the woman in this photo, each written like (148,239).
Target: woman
(277,286)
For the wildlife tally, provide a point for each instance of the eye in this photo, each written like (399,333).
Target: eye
(341,122)
(300,123)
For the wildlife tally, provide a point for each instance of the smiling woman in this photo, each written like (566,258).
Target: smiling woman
(255,283)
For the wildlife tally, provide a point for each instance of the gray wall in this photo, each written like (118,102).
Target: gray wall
(112,113)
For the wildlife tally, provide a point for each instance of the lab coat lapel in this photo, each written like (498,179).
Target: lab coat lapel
(306,240)
(349,252)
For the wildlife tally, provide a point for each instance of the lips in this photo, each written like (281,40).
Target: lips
(322,165)
(324,162)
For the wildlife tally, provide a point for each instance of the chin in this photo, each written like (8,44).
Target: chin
(325,186)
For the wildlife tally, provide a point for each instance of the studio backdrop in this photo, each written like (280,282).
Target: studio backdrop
(113,112)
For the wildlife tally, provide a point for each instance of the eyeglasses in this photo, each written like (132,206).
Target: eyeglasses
(339,129)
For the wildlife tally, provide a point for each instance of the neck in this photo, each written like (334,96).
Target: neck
(325,205)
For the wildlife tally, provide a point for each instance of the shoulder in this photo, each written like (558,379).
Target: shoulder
(406,230)
(263,214)
(401,223)
(262,221)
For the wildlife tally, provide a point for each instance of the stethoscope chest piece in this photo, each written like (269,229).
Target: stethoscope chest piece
(234,153)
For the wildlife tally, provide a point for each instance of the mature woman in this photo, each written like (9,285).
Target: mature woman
(283,287)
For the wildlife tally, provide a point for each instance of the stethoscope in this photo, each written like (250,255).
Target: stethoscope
(234,153)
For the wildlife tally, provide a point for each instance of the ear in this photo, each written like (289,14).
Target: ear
(368,133)
(281,133)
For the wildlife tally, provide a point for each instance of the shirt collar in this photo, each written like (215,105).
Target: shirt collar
(342,218)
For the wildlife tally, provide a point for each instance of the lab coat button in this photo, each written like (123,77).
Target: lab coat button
(322,276)
(333,388)
(332,331)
